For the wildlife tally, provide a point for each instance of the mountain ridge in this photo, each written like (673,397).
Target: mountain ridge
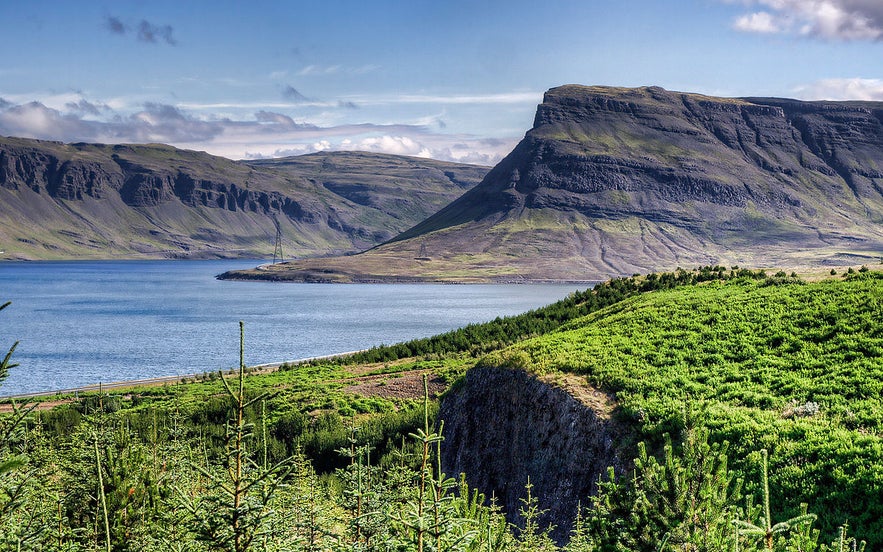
(82,200)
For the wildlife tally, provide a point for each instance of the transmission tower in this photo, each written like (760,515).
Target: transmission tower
(277,251)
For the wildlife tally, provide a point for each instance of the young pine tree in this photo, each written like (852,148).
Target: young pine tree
(794,532)
(690,497)
(236,510)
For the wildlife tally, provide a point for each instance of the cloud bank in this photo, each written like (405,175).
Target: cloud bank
(846,20)
(842,89)
(265,133)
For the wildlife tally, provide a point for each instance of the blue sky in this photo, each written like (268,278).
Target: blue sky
(446,79)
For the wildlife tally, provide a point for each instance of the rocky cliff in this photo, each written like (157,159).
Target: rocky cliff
(503,426)
(659,178)
(90,200)
(613,181)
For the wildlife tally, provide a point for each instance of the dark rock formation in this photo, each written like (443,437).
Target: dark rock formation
(502,426)
(614,181)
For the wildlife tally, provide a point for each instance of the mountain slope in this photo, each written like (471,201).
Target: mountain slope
(407,189)
(95,201)
(613,181)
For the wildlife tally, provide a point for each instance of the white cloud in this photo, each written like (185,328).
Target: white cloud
(399,145)
(842,89)
(357,100)
(828,19)
(324,70)
(760,22)
(425,125)
(30,120)
(455,99)
(460,149)
(311,70)
(447,148)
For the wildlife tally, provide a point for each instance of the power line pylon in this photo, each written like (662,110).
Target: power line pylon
(277,251)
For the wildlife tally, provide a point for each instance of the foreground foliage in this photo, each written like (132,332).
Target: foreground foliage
(756,401)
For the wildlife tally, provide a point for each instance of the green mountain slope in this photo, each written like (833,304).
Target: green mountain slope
(404,189)
(62,201)
(790,367)
(614,181)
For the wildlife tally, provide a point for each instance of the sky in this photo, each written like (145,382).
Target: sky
(446,79)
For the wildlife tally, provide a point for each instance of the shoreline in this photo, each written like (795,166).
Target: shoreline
(261,275)
(162,380)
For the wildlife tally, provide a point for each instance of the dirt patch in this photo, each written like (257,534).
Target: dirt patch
(600,402)
(6,408)
(407,385)
(362,369)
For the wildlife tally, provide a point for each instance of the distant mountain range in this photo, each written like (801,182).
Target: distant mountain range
(614,181)
(75,201)
(609,181)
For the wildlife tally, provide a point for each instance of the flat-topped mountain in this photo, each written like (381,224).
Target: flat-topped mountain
(61,201)
(613,181)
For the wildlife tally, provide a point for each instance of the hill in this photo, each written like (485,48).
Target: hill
(614,181)
(404,189)
(73,201)
(775,364)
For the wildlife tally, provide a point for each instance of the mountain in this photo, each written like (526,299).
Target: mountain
(63,201)
(613,181)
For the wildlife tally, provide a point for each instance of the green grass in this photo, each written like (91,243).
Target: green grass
(753,360)
(310,387)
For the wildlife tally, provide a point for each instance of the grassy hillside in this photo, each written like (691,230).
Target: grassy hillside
(790,367)
(404,189)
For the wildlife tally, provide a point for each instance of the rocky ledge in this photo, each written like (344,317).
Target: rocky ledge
(503,426)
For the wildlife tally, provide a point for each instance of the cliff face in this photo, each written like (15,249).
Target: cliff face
(502,426)
(785,158)
(82,177)
(616,181)
(89,200)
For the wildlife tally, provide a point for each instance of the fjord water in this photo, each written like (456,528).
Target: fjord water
(81,323)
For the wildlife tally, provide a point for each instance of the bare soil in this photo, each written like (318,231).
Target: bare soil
(403,385)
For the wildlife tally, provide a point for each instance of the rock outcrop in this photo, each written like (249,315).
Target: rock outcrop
(90,200)
(503,426)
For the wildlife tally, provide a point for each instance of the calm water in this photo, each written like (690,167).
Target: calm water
(81,323)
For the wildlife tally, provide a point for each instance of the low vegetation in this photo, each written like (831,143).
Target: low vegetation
(754,401)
